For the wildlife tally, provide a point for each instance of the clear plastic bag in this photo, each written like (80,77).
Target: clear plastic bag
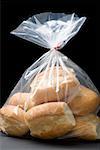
(54,92)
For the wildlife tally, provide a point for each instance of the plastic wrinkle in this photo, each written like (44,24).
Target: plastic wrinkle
(52,78)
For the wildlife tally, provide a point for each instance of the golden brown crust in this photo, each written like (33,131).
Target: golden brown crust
(13,111)
(50,120)
(47,109)
(86,102)
(90,117)
(12,121)
(21,99)
(47,89)
(49,127)
(47,92)
(86,127)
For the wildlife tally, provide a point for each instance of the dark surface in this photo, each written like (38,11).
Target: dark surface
(10,143)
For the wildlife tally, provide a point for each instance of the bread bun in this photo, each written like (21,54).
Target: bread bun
(87,128)
(54,85)
(21,99)
(85,102)
(50,120)
(12,121)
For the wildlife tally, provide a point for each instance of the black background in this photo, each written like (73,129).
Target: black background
(18,54)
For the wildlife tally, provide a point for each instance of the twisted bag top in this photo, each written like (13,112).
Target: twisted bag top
(50,30)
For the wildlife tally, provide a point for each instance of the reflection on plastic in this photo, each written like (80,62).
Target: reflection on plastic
(56,97)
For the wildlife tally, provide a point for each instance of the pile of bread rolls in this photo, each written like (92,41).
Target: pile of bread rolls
(57,105)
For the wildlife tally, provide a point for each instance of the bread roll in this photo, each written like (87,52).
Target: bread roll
(87,128)
(50,120)
(54,85)
(12,121)
(86,102)
(21,99)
